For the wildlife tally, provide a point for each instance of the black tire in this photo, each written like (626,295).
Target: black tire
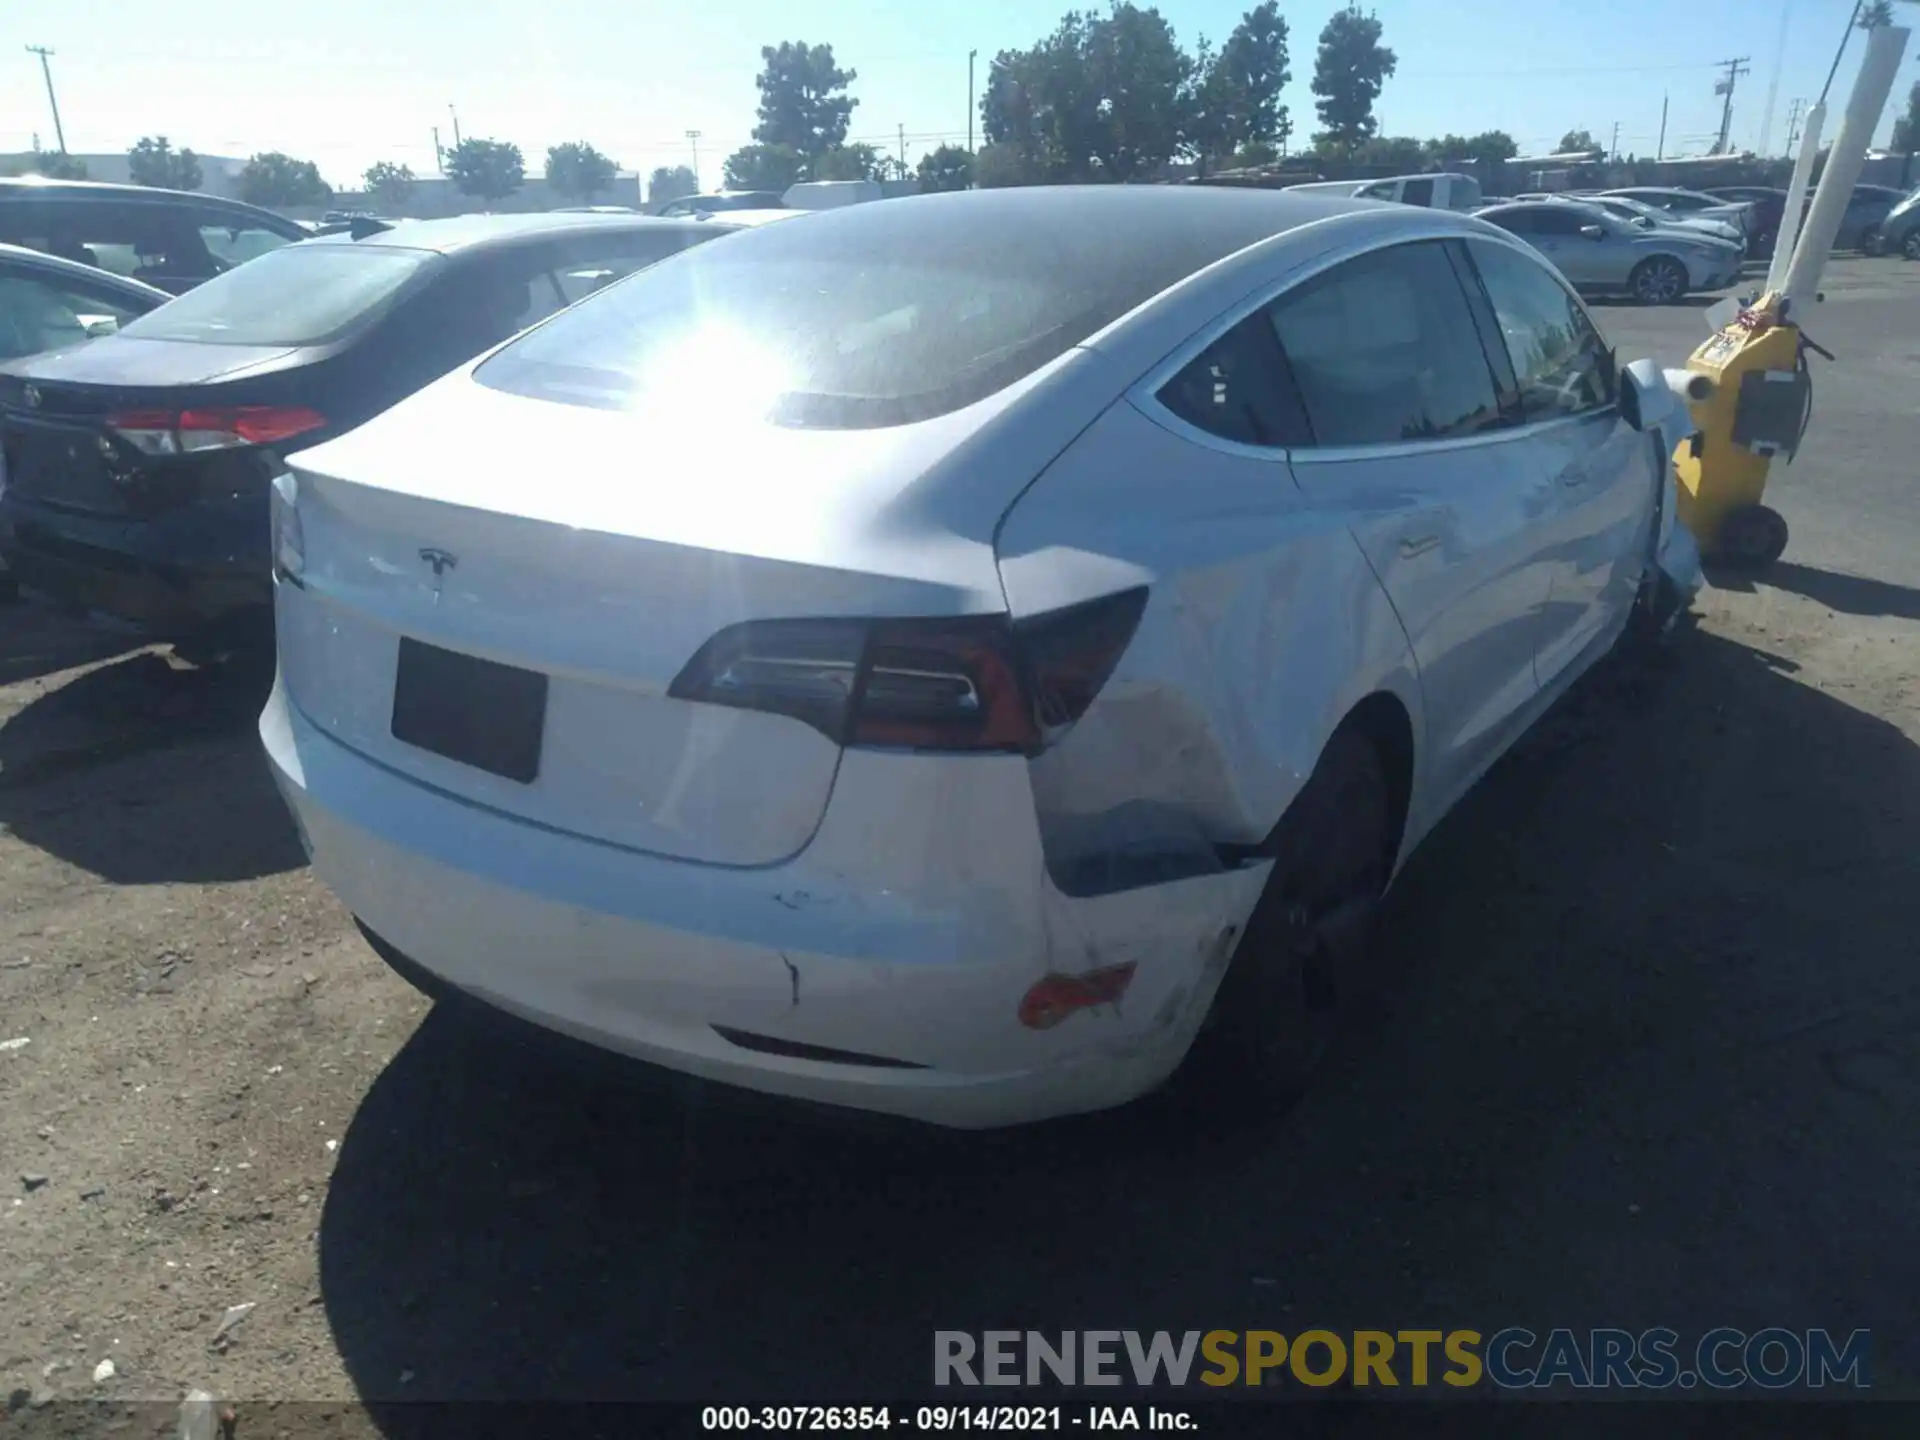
(1305,946)
(1910,244)
(1751,538)
(1658,280)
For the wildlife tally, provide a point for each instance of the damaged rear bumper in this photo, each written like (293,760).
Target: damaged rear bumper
(882,969)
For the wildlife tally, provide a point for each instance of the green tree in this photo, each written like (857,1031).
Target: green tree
(858,161)
(1254,67)
(154,162)
(1577,140)
(1875,15)
(59,165)
(1396,152)
(271,178)
(1255,153)
(1104,97)
(803,99)
(1906,128)
(949,167)
(389,183)
(998,166)
(670,182)
(1492,147)
(763,167)
(486,169)
(577,171)
(1208,108)
(1348,73)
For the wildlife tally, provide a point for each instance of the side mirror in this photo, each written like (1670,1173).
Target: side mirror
(1594,232)
(101,328)
(1645,222)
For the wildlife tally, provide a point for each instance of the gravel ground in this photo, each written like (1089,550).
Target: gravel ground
(1649,1058)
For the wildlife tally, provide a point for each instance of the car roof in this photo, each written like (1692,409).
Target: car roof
(467,232)
(746,218)
(74,270)
(15,186)
(1175,230)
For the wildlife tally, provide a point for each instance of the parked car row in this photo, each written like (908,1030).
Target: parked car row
(1601,253)
(923,755)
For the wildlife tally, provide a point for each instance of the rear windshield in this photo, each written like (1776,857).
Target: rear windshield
(822,325)
(302,294)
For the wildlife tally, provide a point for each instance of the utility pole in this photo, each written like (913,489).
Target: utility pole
(1796,112)
(1613,150)
(1661,153)
(46,73)
(693,139)
(456,125)
(1735,69)
(903,150)
(970,57)
(439,155)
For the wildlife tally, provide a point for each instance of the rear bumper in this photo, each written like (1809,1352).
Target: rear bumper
(168,574)
(878,971)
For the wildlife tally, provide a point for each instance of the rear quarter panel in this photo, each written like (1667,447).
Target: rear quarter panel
(1264,627)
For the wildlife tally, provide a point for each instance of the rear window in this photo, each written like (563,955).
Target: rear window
(827,325)
(304,294)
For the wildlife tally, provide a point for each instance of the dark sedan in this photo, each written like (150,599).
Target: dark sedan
(139,465)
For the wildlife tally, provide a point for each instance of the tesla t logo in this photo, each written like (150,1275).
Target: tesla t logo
(441,562)
(33,397)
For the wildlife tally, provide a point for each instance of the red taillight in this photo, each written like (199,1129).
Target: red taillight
(969,683)
(169,432)
(1055,997)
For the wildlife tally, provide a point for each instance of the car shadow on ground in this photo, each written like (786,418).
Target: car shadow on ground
(1847,594)
(141,772)
(38,639)
(1653,1015)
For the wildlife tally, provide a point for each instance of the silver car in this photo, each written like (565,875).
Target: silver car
(1602,255)
(1692,203)
(1647,217)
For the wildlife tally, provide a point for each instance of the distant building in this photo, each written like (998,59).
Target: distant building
(219,174)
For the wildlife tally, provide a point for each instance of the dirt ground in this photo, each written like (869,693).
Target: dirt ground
(1649,1057)
(1695,847)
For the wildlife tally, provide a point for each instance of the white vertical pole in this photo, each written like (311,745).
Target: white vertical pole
(1885,48)
(1796,200)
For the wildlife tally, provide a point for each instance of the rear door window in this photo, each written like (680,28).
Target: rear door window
(234,240)
(128,238)
(1417,192)
(1384,351)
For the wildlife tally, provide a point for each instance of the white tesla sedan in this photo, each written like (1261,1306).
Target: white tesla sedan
(943,657)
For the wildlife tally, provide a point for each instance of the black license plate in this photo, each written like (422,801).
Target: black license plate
(479,712)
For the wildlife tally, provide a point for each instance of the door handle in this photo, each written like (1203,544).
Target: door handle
(1418,545)
(1573,476)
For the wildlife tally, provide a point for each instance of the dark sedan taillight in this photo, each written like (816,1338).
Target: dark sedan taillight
(960,684)
(182,432)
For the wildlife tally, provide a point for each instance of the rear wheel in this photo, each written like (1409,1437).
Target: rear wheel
(1751,537)
(1276,1014)
(1658,280)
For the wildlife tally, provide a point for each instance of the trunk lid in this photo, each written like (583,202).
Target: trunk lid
(591,548)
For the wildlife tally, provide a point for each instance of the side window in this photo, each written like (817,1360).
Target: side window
(1561,220)
(1382,191)
(1417,192)
(1561,364)
(1383,350)
(39,314)
(1237,389)
(585,267)
(1517,222)
(234,240)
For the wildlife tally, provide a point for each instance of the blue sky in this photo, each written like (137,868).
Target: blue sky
(349,82)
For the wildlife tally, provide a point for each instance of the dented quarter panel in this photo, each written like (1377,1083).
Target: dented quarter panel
(1263,628)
